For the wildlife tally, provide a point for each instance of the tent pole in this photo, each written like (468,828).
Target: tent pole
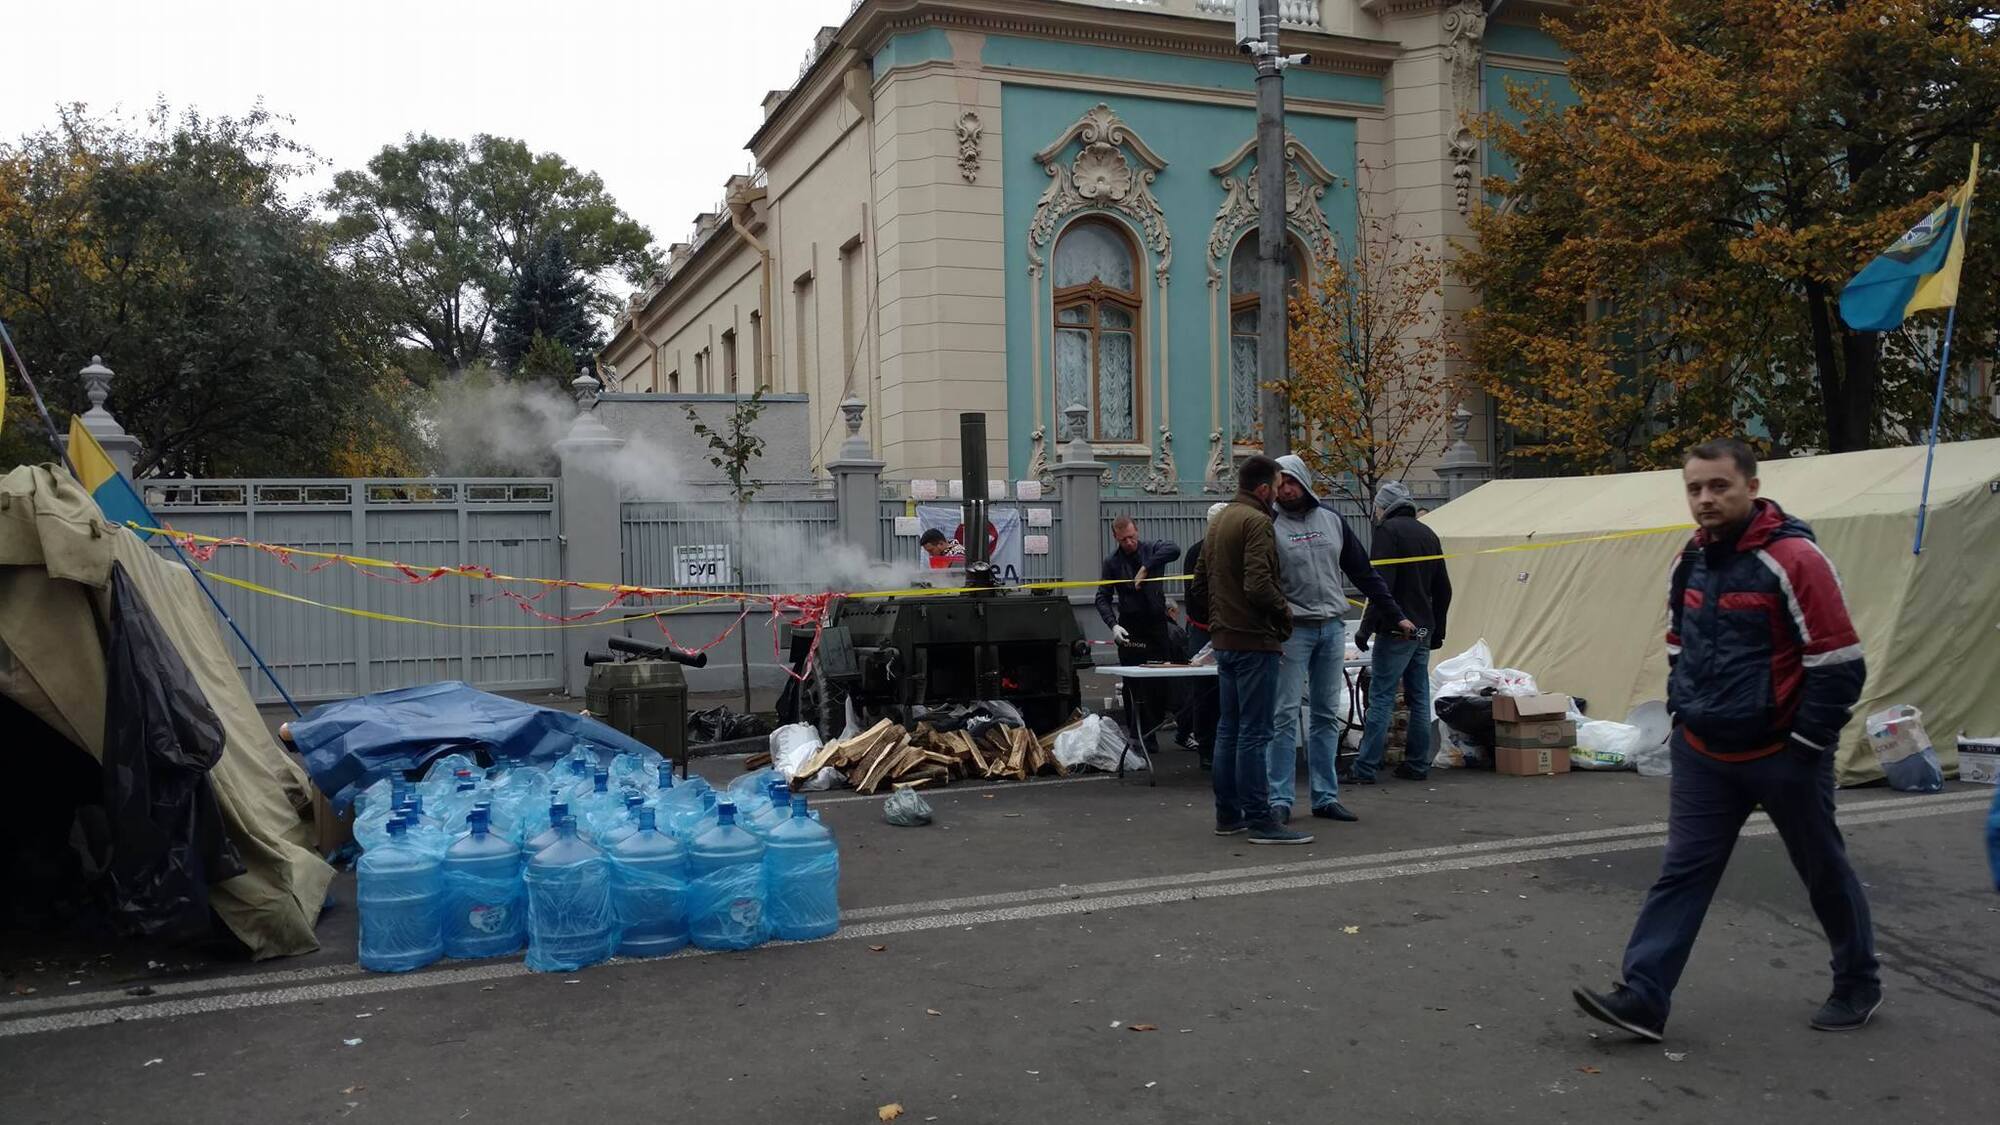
(1937,412)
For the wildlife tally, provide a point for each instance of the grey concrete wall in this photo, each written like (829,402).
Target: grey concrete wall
(665,459)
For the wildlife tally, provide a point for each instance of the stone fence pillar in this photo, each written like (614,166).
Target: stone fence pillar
(1461,468)
(857,485)
(592,540)
(98,422)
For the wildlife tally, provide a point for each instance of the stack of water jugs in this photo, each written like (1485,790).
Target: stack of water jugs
(584,861)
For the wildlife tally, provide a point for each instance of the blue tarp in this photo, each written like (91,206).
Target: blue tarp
(349,744)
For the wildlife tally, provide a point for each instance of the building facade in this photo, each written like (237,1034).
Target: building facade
(1016,205)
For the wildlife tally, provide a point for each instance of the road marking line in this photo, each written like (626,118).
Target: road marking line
(373,984)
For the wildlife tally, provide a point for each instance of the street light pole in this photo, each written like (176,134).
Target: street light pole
(1271,343)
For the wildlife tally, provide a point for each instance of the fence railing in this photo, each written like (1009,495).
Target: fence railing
(769,547)
(508,525)
(1036,566)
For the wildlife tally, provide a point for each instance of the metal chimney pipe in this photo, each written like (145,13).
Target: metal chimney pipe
(972,450)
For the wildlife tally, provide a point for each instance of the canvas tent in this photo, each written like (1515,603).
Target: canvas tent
(1589,619)
(74,590)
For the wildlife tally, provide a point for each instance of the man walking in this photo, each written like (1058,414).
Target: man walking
(1136,610)
(1765,671)
(1423,589)
(1237,580)
(1314,550)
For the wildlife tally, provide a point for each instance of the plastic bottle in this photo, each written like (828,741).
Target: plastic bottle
(678,809)
(600,811)
(399,888)
(426,831)
(726,895)
(457,805)
(773,811)
(484,915)
(610,836)
(802,877)
(558,809)
(649,887)
(570,920)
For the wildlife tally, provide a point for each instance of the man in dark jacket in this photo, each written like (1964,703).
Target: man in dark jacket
(1248,621)
(1136,609)
(1198,711)
(1423,590)
(1765,669)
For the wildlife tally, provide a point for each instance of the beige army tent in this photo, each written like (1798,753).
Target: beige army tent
(57,555)
(1589,619)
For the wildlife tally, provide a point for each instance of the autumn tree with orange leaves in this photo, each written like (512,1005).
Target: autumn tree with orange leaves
(1368,393)
(1666,264)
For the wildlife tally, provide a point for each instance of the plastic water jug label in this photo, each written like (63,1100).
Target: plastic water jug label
(746,912)
(487,918)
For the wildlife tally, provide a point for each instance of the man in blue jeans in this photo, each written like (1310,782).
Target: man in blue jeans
(1314,550)
(1235,590)
(1423,590)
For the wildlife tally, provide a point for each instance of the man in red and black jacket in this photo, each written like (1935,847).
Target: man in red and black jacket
(1765,671)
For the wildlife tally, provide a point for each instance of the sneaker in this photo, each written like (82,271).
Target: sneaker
(1407,774)
(1847,1013)
(1278,834)
(1622,1010)
(1334,810)
(1231,827)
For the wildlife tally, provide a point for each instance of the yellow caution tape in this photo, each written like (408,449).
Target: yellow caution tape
(399,619)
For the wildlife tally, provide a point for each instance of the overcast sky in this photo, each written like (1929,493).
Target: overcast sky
(656,96)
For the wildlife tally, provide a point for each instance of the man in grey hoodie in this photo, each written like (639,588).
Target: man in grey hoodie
(1314,550)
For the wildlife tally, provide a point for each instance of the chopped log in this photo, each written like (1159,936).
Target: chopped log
(937,774)
(971,750)
(1017,753)
(820,760)
(919,783)
(757,761)
(861,746)
(903,760)
(876,768)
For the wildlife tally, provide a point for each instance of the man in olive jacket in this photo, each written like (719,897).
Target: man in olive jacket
(1236,590)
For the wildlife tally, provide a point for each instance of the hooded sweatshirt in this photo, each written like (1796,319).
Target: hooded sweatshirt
(1423,589)
(1314,550)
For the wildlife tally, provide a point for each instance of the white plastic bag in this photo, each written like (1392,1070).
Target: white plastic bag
(1653,758)
(1094,743)
(1455,750)
(1904,747)
(1471,672)
(1463,666)
(791,748)
(1605,745)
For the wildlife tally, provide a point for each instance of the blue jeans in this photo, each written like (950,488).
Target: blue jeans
(1313,661)
(1246,684)
(1397,661)
(1707,806)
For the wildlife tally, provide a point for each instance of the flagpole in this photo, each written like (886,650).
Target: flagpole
(7,340)
(1937,412)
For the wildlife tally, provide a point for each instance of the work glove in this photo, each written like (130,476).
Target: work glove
(1119,634)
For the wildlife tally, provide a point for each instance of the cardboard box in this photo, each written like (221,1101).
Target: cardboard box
(1545,761)
(1979,760)
(1535,735)
(1530,708)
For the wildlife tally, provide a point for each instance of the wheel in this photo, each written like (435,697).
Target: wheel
(823,703)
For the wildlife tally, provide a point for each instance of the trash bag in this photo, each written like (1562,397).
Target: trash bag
(1904,748)
(791,748)
(1470,715)
(1094,742)
(168,843)
(1605,745)
(905,809)
(720,724)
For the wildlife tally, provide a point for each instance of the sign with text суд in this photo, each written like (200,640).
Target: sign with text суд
(706,564)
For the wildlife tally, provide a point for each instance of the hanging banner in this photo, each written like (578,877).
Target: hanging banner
(1003,539)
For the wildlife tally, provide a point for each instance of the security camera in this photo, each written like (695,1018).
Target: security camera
(1300,59)
(1249,46)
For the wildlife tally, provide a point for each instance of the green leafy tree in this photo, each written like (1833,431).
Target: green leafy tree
(1668,261)
(171,249)
(448,228)
(549,308)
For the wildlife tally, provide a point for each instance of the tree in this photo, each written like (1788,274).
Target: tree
(448,229)
(549,309)
(1667,263)
(1368,392)
(241,347)
(733,449)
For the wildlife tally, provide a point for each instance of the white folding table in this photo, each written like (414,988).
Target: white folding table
(1142,733)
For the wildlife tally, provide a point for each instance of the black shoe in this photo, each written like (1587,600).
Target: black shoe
(1404,771)
(1352,778)
(1207,764)
(1231,827)
(1278,834)
(1622,1010)
(1334,811)
(1847,1013)
(1281,814)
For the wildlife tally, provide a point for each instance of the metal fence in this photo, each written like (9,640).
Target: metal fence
(778,547)
(509,525)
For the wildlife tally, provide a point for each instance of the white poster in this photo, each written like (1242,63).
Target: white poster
(923,490)
(907,527)
(1028,490)
(1041,517)
(1035,545)
(1003,539)
(704,565)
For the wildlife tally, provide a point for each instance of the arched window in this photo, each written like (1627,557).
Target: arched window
(1096,283)
(1243,303)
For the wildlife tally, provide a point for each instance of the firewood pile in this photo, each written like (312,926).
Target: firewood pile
(886,755)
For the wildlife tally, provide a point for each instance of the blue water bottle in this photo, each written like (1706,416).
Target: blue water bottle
(558,809)
(726,896)
(649,887)
(609,837)
(570,920)
(802,876)
(483,912)
(399,888)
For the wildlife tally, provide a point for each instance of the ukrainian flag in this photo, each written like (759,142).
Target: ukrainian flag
(1919,272)
(101,478)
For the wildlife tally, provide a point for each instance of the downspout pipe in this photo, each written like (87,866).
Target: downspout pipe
(739,206)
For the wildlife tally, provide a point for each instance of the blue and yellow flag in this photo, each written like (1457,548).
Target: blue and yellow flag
(1919,272)
(100,477)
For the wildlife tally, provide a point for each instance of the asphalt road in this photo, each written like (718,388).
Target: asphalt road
(1087,951)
